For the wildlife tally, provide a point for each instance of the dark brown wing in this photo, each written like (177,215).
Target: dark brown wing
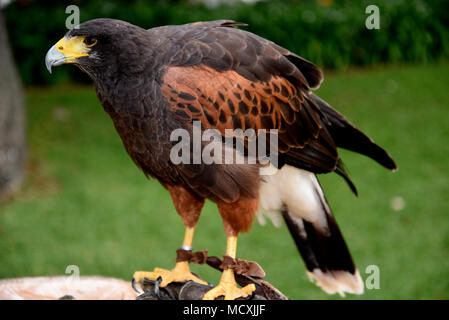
(228,78)
(226,100)
(231,79)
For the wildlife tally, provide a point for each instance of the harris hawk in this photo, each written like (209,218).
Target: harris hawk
(152,82)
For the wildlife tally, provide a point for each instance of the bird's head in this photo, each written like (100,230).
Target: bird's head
(97,46)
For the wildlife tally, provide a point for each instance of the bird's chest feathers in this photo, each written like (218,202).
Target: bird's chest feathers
(130,103)
(139,122)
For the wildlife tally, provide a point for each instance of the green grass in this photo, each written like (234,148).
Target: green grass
(85,203)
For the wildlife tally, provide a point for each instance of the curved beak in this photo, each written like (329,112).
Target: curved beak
(54,58)
(66,50)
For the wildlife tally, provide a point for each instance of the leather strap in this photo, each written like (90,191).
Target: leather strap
(241,267)
(199,257)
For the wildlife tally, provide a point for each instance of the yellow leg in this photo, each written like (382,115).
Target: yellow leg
(228,286)
(188,238)
(181,271)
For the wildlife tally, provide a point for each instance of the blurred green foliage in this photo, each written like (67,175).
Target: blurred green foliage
(332,36)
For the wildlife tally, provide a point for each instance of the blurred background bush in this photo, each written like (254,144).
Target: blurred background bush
(331,33)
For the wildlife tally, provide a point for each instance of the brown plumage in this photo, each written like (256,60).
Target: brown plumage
(152,82)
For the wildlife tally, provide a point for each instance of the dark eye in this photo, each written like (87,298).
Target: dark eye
(90,41)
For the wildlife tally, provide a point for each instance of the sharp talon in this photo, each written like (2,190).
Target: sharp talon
(156,286)
(251,296)
(133,284)
(171,294)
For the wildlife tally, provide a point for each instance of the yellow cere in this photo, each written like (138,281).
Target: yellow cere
(72,48)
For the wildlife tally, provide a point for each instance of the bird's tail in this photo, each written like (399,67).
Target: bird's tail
(327,258)
(347,136)
(313,227)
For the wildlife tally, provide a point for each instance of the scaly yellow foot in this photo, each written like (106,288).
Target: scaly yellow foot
(180,273)
(228,288)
